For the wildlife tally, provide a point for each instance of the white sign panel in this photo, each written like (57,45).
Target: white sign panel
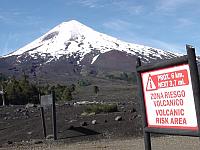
(169,98)
(46,100)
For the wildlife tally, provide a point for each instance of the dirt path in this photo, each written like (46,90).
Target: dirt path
(159,143)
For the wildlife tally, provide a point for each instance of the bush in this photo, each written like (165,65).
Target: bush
(96,89)
(19,92)
(63,92)
(101,108)
(130,77)
(84,83)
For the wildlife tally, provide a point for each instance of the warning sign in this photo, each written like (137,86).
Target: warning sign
(151,84)
(169,99)
(166,80)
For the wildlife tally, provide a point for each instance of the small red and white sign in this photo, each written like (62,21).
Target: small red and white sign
(169,98)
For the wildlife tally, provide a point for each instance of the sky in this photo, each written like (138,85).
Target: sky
(164,24)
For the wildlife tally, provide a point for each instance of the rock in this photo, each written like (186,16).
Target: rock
(134,116)
(29,133)
(23,110)
(133,110)
(50,136)
(10,142)
(118,118)
(37,141)
(26,113)
(18,110)
(88,114)
(8,113)
(91,114)
(84,114)
(83,123)
(121,103)
(67,104)
(71,121)
(71,127)
(30,105)
(7,118)
(94,122)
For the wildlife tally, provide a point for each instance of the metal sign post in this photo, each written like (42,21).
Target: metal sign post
(43,122)
(195,81)
(54,116)
(147,136)
(170,93)
(49,100)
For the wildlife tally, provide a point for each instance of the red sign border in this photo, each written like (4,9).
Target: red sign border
(163,126)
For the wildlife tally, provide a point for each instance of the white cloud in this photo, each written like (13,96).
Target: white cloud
(129,7)
(166,45)
(90,3)
(3,18)
(17,17)
(184,23)
(172,5)
(126,6)
(155,43)
(117,25)
(9,16)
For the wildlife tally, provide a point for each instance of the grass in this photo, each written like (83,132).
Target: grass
(101,108)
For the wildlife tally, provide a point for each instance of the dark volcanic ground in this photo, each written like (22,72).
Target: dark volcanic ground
(23,124)
(18,124)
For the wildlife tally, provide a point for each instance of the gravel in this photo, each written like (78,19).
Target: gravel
(158,143)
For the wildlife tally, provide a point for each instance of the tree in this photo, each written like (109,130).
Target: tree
(66,95)
(3,78)
(96,90)
(83,82)
(72,87)
(19,92)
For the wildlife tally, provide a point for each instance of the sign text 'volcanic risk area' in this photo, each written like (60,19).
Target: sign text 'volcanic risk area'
(169,99)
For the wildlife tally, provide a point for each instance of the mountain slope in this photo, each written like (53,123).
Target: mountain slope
(75,39)
(70,47)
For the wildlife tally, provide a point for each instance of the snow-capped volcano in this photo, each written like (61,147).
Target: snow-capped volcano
(75,39)
(72,50)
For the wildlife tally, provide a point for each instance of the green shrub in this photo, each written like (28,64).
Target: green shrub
(96,89)
(101,108)
(130,77)
(84,82)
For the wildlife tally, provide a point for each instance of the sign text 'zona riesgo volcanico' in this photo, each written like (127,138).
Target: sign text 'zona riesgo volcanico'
(169,99)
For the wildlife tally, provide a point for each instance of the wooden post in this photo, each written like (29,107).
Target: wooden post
(195,81)
(147,136)
(54,116)
(43,121)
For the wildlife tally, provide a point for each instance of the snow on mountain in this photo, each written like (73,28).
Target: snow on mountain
(75,39)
